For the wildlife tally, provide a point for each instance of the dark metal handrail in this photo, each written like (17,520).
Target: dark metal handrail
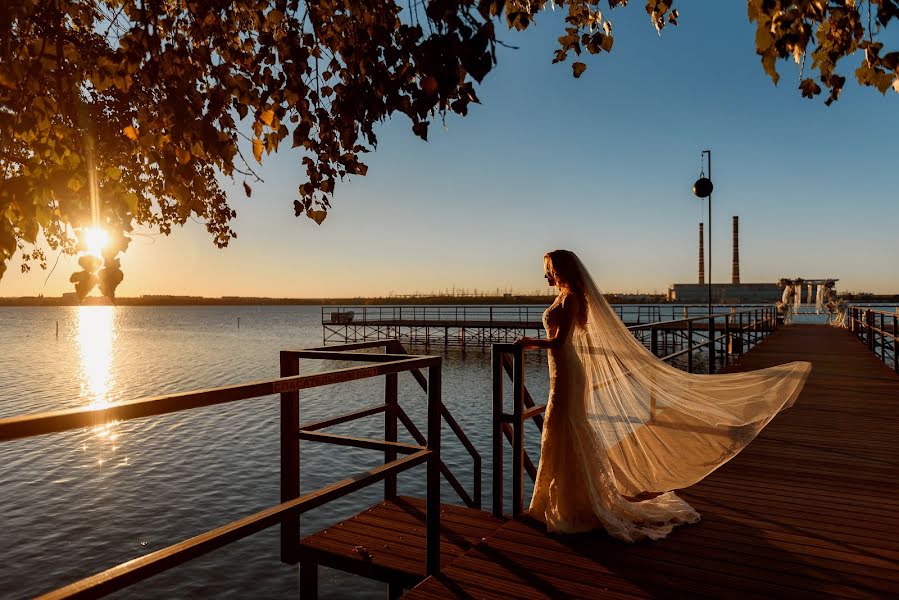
(509,357)
(293,504)
(394,411)
(863,322)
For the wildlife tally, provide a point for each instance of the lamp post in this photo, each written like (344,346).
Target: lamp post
(703,189)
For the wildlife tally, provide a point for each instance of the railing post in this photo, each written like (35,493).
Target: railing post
(432,514)
(711,344)
(390,426)
(690,346)
(895,344)
(517,433)
(869,321)
(654,341)
(726,341)
(290,460)
(497,433)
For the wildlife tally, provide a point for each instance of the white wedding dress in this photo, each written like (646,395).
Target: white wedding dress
(620,423)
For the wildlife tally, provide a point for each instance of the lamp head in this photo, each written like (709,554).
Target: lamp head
(703,187)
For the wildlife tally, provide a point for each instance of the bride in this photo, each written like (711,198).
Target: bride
(622,428)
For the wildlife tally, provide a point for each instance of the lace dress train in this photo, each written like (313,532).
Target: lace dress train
(574,491)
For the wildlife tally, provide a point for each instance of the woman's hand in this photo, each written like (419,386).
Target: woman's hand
(524,342)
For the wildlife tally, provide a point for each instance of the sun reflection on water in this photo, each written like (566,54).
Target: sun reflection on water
(96,339)
(96,333)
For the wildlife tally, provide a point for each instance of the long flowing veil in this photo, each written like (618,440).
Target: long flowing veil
(662,428)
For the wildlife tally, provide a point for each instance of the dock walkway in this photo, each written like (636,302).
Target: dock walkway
(811,507)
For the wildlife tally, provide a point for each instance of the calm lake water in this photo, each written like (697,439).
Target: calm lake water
(75,503)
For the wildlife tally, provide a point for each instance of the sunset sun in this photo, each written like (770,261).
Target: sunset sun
(95,239)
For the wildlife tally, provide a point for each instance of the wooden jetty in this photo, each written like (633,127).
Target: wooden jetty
(809,508)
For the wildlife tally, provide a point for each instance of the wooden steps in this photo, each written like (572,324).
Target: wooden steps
(392,534)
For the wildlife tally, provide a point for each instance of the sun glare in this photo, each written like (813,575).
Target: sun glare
(95,239)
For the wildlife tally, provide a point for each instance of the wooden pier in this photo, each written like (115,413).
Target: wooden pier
(809,509)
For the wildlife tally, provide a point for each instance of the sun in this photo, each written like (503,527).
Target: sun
(95,239)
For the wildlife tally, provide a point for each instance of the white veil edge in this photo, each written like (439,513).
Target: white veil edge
(662,428)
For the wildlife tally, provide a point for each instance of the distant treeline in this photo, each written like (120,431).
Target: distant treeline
(856,298)
(247,301)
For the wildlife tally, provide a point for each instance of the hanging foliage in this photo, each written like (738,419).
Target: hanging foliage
(118,113)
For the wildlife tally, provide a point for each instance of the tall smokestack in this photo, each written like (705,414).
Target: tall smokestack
(735,278)
(701,256)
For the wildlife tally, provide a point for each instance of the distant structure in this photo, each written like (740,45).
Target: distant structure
(724,293)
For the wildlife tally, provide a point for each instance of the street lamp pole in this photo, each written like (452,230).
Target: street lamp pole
(703,189)
(709,153)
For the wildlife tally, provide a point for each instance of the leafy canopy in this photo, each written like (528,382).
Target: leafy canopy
(119,113)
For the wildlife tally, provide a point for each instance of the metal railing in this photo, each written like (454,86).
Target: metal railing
(878,330)
(500,314)
(394,414)
(334,315)
(740,332)
(293,503)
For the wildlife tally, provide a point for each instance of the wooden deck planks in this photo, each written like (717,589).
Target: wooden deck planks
(808,509)
(393,535)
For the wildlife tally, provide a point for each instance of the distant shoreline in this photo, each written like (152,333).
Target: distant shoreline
(261,301)
(350,302)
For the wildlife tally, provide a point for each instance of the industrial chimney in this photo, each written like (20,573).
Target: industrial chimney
(701,256)
(735,278)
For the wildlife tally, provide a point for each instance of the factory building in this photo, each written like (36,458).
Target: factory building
(734,292)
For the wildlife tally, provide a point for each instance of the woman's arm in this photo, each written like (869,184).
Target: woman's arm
(568,310)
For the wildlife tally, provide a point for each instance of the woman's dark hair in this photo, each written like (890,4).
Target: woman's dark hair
(564,266)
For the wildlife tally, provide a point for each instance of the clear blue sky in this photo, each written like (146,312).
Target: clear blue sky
(602,165)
